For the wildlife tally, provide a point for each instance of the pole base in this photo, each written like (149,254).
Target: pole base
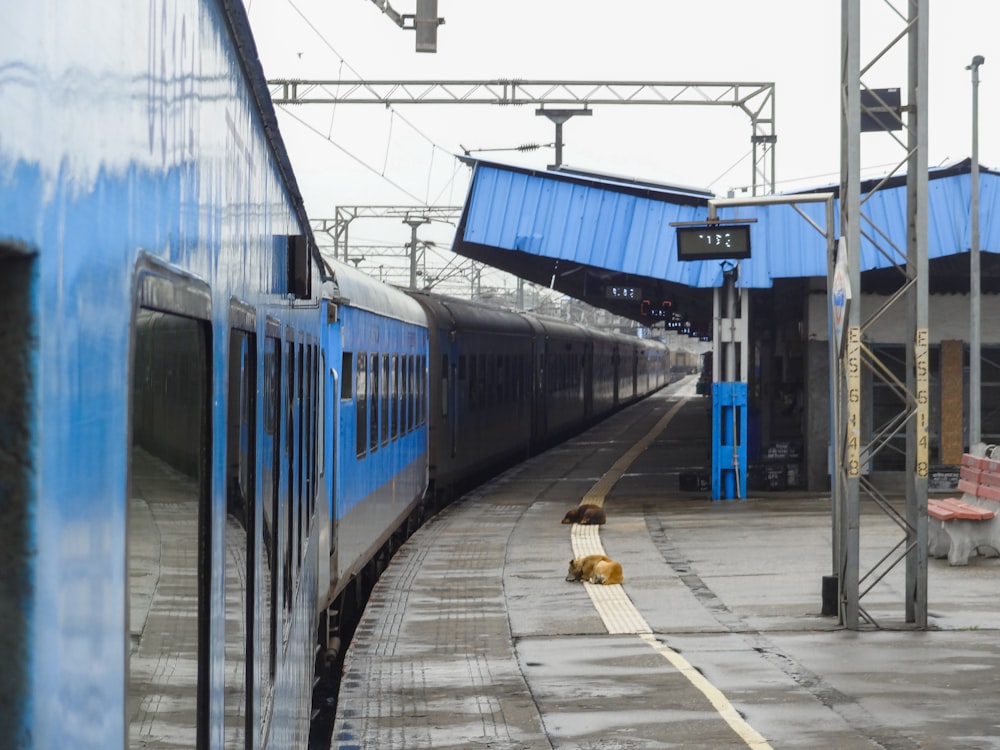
(831,589)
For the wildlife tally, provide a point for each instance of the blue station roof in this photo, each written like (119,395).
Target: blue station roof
(549,225)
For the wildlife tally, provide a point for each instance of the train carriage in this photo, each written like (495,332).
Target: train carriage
(376,340)
(211,439)
(149,247)
(481,380)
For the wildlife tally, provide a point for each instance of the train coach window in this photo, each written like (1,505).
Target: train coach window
(422,389)
(321,374)
(397,397)
(361,405)
(373,371)
(411,396)
(289,485)
(346,375)
(168,524)
(240,554)
(300,453)
(270,473)
(385,399)
(17,465)
(473,379)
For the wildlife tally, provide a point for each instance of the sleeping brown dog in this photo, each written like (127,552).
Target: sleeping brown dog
(595,569)
(585,514)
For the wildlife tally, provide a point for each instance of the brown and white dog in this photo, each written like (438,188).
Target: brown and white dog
(595,569)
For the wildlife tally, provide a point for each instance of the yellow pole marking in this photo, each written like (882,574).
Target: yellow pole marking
(620,615)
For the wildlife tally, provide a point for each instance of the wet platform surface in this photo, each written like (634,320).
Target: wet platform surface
(473,639)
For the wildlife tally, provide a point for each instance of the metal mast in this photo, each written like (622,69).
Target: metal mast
(860,438)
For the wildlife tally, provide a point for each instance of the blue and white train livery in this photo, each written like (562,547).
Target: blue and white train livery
(212,439)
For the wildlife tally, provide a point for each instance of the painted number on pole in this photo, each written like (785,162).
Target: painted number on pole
(853,401)
(920,357)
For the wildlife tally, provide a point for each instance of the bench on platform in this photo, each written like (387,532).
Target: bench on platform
(960,526)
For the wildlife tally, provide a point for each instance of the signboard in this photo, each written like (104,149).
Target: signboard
(840,294)
(880,110)
(713,242)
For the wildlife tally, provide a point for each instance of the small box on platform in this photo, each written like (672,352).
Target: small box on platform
(694,481)
(774,477)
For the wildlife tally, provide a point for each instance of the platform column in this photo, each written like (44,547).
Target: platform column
(729,390)
(729,446)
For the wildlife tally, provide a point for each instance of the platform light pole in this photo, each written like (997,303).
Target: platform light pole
(414,222)
(975,294)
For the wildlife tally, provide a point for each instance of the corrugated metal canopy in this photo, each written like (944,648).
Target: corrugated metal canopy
(581,232)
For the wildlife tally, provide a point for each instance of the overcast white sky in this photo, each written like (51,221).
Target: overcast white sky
(363,154)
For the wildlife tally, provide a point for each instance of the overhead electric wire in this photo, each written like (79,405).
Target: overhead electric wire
(395,113)
(357,159)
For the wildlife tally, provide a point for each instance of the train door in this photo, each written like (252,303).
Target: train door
(588,380)
(168,518)
(240,525)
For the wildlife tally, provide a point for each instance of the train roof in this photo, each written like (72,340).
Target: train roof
(350,287)
(466,315)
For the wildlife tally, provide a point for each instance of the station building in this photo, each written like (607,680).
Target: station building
(611,242)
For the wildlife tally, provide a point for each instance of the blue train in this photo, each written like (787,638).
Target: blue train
(211,439)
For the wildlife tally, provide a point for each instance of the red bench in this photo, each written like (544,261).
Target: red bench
(948,508)
(961,525)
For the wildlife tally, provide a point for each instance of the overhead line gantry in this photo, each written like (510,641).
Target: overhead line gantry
(755,99)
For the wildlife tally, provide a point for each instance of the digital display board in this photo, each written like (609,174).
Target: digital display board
(622,292)
(715,241)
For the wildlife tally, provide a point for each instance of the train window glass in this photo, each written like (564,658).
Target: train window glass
(473,380)
(361,405)
(289,489)
(411,395)
(314,434)
(373,403)
(300,453)
(309,453)
(320,407)
(461,367)
(169,497)
(489,376)
(500,379)
(240,581)
(481,375)
(270,478)
(422,388)
(397,397)
(503,372)
(346,375)
(406,396)
(312,355)
(385,399)
(18,345)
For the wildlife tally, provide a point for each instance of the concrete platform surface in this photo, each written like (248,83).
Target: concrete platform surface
(473,639)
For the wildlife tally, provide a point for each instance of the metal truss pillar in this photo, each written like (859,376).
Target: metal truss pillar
(860,442)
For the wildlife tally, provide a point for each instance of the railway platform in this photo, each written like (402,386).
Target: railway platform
(473,639)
